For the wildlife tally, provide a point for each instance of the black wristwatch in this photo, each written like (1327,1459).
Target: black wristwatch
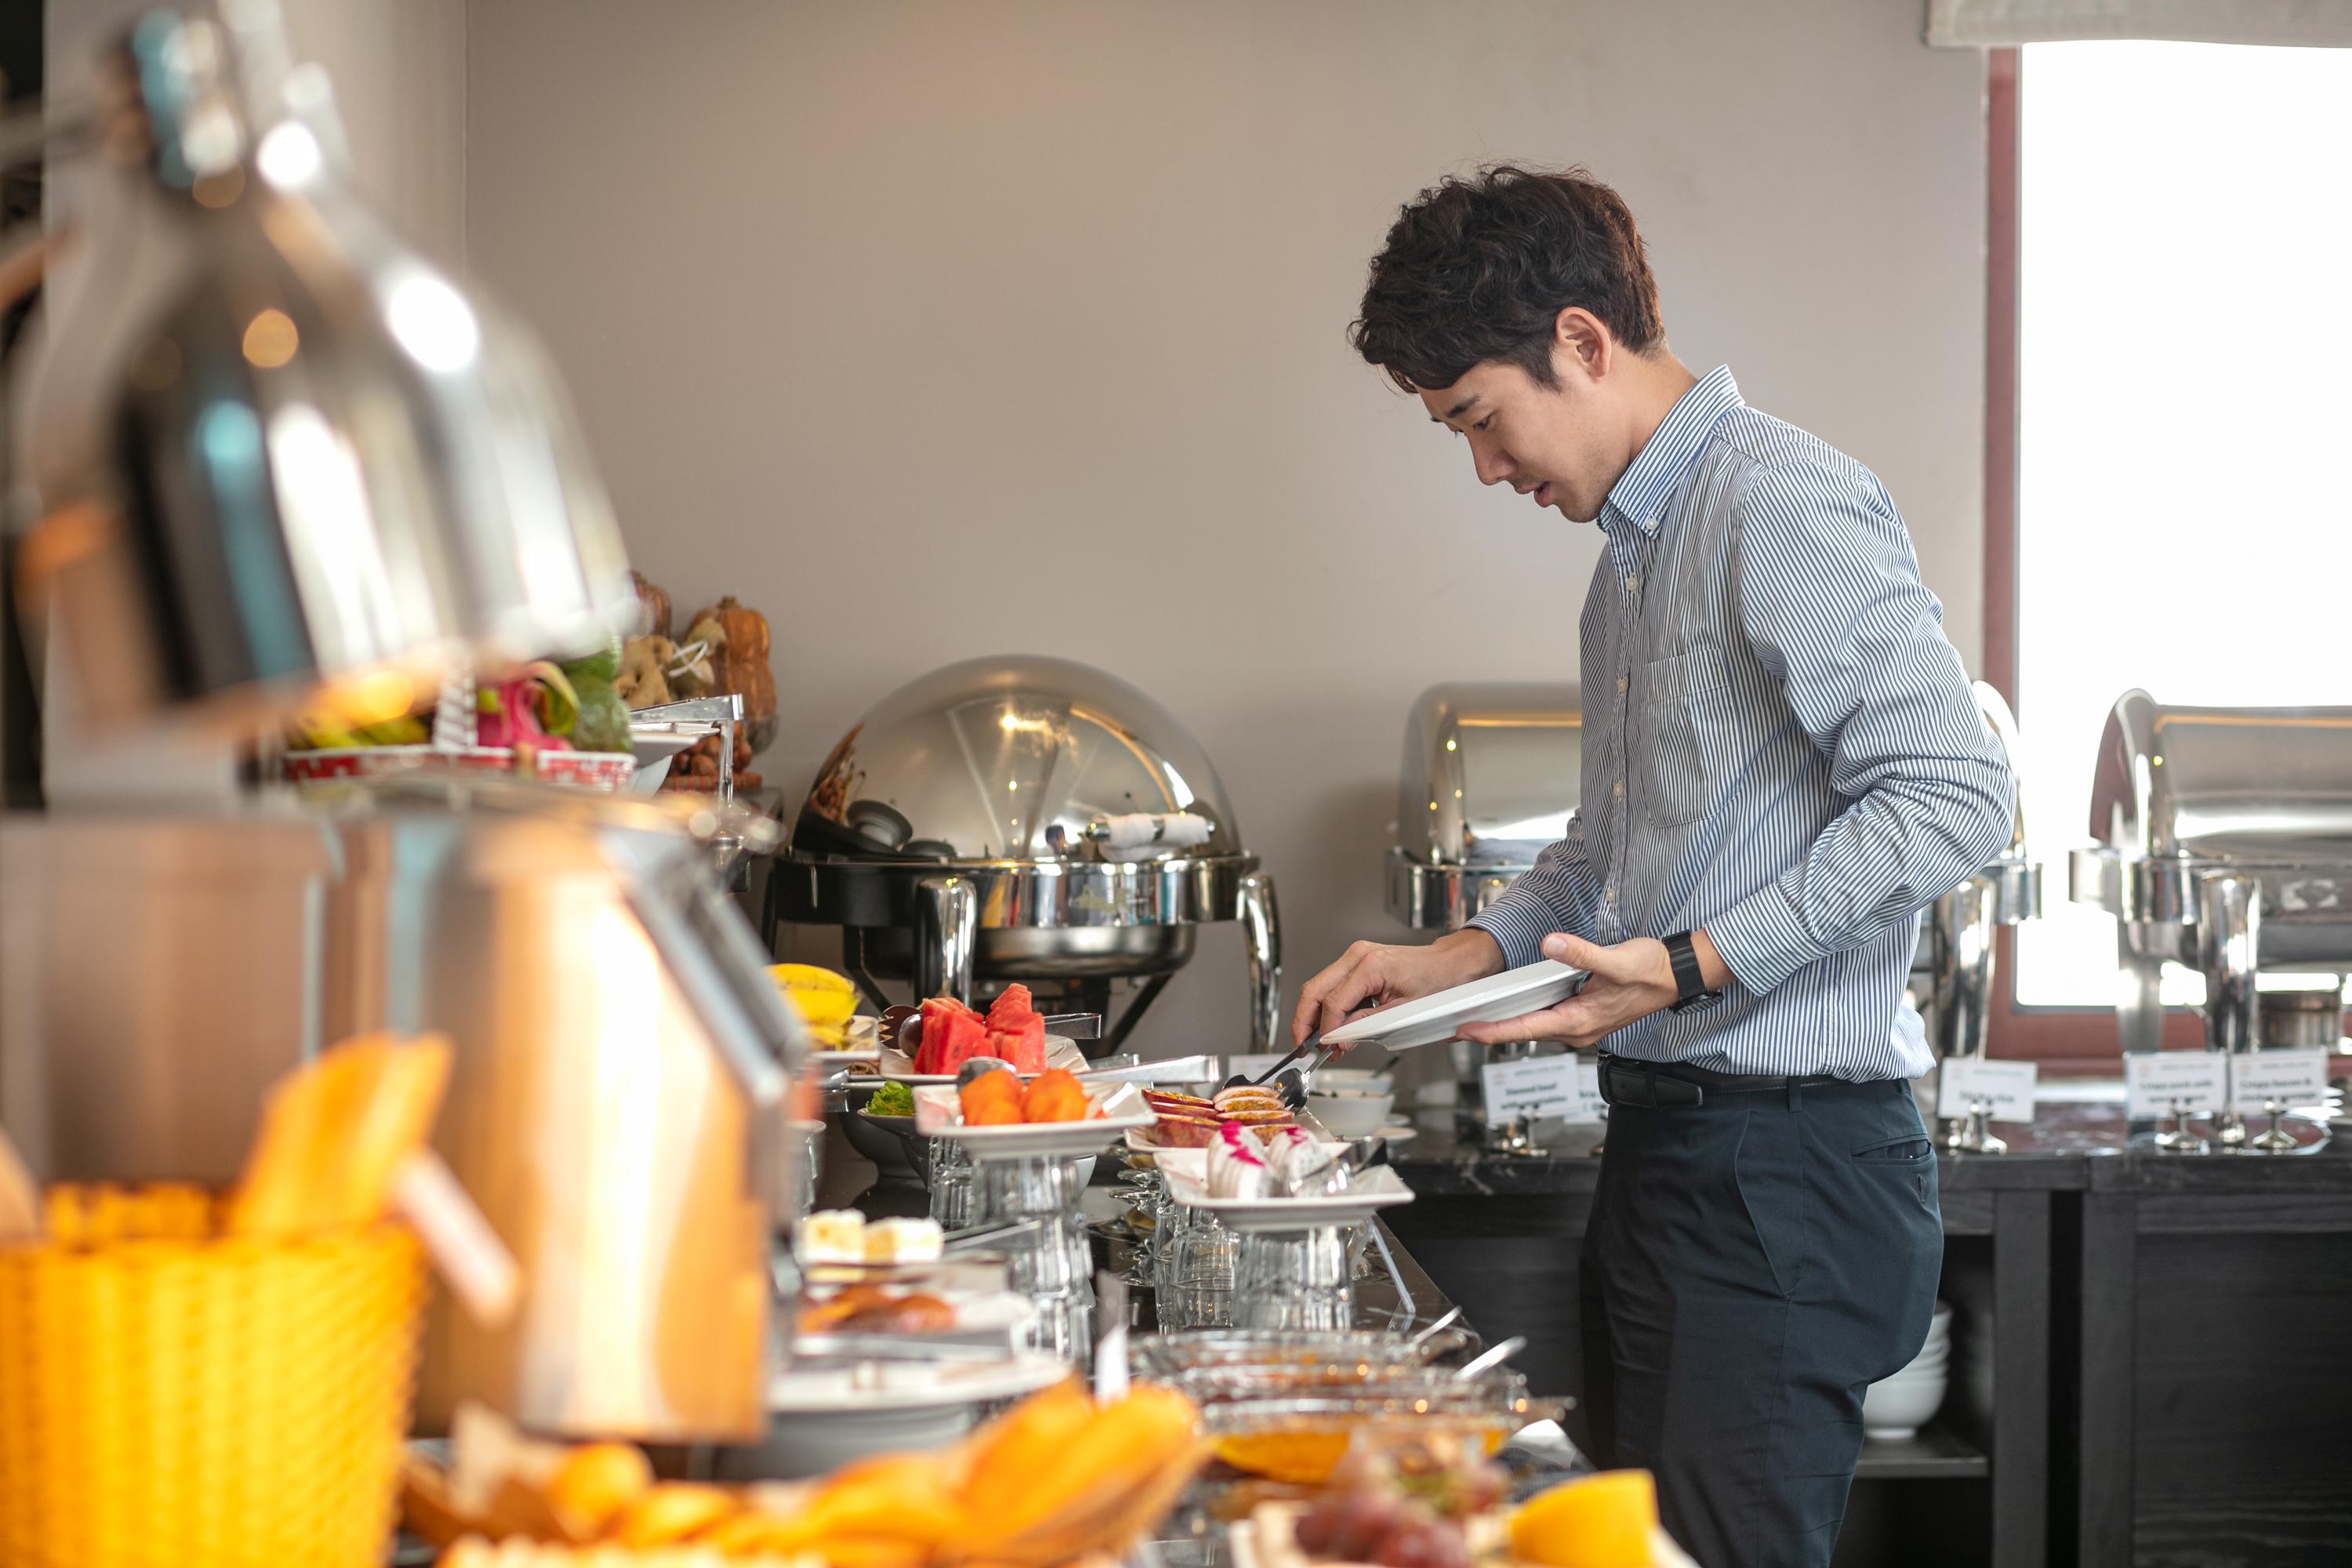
(1691,994)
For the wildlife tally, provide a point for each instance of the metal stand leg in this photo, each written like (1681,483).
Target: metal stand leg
(2228,936)
(1261,921)
(947,923)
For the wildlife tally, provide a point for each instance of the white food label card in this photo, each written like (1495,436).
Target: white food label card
(2155,1081)
(1539,1087)
(2290,1078)
(2004,1089)
(1257,1067)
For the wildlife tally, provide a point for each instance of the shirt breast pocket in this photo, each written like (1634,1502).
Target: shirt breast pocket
(1670,764)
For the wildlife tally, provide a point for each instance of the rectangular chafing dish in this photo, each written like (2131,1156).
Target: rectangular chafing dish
(2225,844)
(1491,774)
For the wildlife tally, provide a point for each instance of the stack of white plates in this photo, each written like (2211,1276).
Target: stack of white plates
(1903,1403)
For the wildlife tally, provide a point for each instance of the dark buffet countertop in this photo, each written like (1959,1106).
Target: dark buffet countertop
(2074,1145)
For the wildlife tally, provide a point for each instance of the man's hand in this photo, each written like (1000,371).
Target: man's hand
(1373,973)
(1630,981)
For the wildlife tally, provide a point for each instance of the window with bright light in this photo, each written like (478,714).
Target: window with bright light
(2185,416)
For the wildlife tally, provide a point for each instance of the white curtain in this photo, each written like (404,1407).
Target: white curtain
(1977,23)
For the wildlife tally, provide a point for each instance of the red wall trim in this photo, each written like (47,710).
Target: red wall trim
(2069,1040)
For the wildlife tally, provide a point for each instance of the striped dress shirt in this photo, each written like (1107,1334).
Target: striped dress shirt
(1779,746)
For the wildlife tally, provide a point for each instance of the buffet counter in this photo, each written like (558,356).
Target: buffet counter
(2150,1360)
(850,1179)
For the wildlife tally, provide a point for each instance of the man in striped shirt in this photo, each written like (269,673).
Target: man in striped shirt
(1783,764)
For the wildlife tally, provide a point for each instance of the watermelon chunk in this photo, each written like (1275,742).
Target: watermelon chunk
(1023,1045)
(951,1033)
(1011,1006)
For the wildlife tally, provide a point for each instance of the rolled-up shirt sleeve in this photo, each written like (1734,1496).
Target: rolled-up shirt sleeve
(1830,601)
(1555,894)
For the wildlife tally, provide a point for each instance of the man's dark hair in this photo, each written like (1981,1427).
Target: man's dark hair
(1480,268)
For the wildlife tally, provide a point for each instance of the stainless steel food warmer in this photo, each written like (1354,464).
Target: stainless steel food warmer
(1490,776)
(1030,819)
(2225,844)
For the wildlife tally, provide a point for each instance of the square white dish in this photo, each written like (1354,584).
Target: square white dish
(899,1068)
(1374,1190)
(939,1113)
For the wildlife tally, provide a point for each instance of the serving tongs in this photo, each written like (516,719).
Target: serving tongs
(1289,1082)
(905,1032)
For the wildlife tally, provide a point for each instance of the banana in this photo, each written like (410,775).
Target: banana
(825,999)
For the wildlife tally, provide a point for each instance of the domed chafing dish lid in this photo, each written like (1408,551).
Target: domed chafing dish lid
(2252,783)
(1491,771)
(987,759)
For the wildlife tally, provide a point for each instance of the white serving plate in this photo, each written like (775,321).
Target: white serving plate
(990,1317)
(823,1417)
(939,1113)
(1376,1189)
(1141,1145)
(898,1066)
(1432,1020)
(834,1061)
(910,1384)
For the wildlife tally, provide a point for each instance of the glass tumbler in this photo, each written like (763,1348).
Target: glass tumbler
(1295,1280)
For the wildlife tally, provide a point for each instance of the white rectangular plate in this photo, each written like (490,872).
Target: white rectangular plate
(1195,1162)
(1376,1189)
(898,1068)
(1432,1020)
(939,1113)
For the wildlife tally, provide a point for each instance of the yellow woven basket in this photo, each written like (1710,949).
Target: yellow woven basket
(172,1397)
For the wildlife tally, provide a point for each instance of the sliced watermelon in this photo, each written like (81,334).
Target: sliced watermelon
(1024,1047)
(951,1033)
(1012,1005)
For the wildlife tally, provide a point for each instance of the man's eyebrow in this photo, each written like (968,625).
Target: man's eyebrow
(1457,410)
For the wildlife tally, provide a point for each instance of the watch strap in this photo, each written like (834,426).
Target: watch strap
(1689,983)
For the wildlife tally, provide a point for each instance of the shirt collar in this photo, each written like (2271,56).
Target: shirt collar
(1645,490)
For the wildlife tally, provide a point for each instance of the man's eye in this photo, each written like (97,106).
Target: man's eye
(1483,423)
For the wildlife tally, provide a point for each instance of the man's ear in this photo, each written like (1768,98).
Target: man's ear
(1581,345)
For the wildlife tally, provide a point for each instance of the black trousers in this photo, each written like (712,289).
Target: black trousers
(1753,1264)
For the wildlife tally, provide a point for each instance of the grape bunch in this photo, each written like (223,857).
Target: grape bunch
(1372,1524)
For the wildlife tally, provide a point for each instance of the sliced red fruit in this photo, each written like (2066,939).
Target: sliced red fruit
(1011,1006)
(951,1033)
(1024,1048)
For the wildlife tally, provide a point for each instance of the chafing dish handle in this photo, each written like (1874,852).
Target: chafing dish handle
(1261,921)
(947,922)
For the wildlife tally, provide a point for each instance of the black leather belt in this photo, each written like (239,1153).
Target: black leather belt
(1676,1086)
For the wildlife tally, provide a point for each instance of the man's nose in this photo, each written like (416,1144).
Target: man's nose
(1494,465)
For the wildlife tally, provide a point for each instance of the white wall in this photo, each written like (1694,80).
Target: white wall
(399,70)
(937,329)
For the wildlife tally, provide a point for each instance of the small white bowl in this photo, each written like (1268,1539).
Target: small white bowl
(1350,1114)
(1899,1406)
(1351,1077)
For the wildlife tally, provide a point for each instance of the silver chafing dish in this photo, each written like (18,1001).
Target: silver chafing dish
(1490,776)
(1030,819)
(2225,844)
(1492,771)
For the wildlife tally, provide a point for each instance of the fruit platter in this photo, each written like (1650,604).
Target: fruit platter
(1404,1509)
(949,1033)
(994,1114)
(556,722)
